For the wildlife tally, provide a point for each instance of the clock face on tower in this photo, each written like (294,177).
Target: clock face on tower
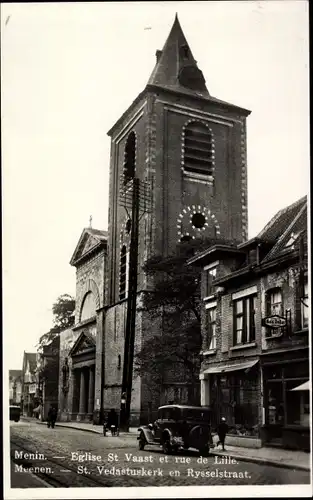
(191,77)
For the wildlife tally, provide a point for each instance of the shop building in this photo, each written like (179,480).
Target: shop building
(255,333)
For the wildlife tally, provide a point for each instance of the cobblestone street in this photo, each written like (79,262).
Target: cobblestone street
(80,459)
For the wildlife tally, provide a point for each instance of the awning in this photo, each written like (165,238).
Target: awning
(228,368)
(303,387)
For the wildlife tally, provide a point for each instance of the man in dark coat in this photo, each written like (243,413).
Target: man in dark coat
(52,416)
(112,422)
(222,431)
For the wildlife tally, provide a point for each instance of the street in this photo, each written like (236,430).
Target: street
(63,457)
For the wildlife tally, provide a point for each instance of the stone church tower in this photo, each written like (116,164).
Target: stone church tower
(188,150)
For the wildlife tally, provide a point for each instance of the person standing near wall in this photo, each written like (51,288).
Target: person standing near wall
(222,431)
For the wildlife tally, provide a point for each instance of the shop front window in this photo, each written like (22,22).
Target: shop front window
(275,404)
(233,396)
(286,402)
(297,402)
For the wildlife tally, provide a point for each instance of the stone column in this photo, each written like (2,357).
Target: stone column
(91,390)
(82,393)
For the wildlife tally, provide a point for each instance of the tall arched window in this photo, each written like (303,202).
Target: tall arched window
(89,307)
(130,158)
(198,149)
(123,272)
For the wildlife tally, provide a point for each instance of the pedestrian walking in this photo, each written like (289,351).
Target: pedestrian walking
(112,422)
(52,416)
(222,431)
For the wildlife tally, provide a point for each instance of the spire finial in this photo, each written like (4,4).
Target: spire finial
(90,221)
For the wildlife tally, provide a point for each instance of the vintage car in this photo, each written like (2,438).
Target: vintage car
(15,413)
(177,428)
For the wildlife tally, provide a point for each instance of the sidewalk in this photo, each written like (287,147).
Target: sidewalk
(81,426)
(290,459)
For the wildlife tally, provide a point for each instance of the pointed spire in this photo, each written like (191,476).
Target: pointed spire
(175,66)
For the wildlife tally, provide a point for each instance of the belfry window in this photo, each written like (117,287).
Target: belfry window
(198,149)
(130,158)
(123,273)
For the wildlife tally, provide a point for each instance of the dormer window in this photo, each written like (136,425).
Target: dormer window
(293,238)
(184,51)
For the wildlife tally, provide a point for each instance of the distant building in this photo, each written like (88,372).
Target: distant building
(255,333)
(47,377)
(29,383)
(15,386)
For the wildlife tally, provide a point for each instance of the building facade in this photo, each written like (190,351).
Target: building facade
(81,361)
(29,383)
(47,378)
(15,386)
(255,333)
(185,150)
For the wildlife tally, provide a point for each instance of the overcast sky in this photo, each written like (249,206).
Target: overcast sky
(68,73)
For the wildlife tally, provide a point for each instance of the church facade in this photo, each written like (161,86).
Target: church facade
(81,347)
(184,151)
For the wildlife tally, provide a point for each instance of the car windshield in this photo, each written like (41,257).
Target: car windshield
(197,414)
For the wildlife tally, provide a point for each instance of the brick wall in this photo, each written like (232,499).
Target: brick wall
(158,119)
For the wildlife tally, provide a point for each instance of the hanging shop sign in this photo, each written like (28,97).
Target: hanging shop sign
(274,321)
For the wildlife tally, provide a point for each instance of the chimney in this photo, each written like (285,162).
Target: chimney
(158,55)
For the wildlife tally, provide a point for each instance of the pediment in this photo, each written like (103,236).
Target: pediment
(89,240)
(84,343)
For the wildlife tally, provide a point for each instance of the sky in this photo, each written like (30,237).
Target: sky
(69,70)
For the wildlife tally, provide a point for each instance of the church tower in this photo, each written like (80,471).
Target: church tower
(188,151)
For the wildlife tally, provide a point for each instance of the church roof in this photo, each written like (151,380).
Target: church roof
(89,240)
(176,70)
(176,55)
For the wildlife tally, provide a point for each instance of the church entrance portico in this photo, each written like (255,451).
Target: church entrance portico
(83,356)
(84,388)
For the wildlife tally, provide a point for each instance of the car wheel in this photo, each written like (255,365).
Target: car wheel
(142,441)
(167,448)
(16,420)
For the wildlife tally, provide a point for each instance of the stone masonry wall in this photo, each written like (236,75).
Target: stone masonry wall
(91,270)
